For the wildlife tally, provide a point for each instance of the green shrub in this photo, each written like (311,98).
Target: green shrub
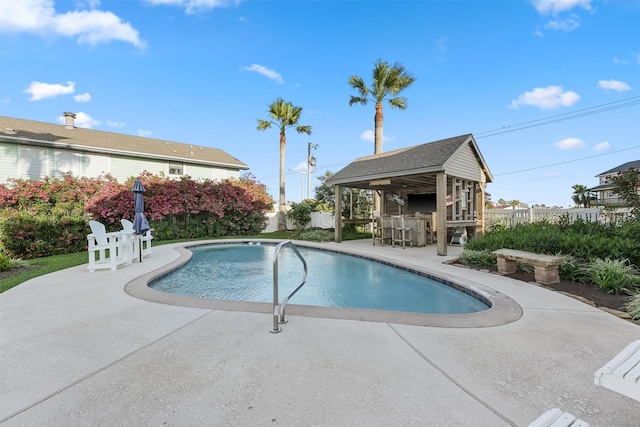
(50,216)
(527,268)
(582,240)
(7,263)
(633,307)
(300,213)
(611,275)
(27,235)
(572,269)
(482,259)
(315,235)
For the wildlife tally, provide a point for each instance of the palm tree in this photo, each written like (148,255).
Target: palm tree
(581,195)
(283,115)
(388,81)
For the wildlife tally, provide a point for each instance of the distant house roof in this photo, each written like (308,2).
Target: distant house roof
(67,136)
(623,167)
(409,165)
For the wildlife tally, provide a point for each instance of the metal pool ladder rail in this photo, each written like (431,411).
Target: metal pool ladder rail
(278,311)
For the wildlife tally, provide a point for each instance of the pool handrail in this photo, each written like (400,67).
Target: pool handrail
(279,314)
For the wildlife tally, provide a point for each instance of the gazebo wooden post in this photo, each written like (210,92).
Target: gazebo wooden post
(480,207)
(441,209)
(338,213)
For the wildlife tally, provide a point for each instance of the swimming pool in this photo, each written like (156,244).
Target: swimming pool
(244,272)
(502,309)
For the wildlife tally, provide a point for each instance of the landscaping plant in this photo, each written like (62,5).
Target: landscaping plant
(481,258)
(612,275)
(50,216)
(633,307)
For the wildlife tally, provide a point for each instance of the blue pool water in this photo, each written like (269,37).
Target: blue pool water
(244,272)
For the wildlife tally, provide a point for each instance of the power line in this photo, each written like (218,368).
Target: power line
(623,103)
(597,109)
(568,161)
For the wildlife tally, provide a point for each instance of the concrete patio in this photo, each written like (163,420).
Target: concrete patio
(77,350)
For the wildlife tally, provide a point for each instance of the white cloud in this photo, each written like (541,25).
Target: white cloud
(82,120)
(614,85)
(195,6)
(84,97)
(300,167)
(115,124)
(570,144)
(566,25)
(368,135)
(39,90)
(87,26)
(602,146)
(270,74)
(551,7)
(144,133)
(547,98)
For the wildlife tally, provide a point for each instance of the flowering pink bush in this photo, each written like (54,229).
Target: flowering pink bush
(175,209)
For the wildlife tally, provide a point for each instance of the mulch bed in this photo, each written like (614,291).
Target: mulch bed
(591,293)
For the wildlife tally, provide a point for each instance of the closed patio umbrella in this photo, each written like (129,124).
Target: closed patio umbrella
(140,223)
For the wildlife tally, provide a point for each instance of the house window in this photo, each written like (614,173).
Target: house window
(176,168)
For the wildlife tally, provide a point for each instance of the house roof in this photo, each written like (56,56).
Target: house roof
(66,137)
(413,166)
(623,167)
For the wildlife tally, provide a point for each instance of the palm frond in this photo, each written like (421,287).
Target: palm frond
(358,100)
(358,84)
(399,103)
(263,124)
(304,129)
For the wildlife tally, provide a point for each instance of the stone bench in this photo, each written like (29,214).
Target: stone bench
(622,373)
(546,266)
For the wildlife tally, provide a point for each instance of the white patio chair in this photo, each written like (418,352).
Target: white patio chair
(139,241)
(557,418)
(112,249)
(622,373)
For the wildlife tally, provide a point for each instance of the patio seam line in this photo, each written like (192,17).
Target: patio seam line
(99,370)
(450,378)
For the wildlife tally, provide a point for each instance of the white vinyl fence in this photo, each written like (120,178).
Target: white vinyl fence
(507,217)
(511,217)
(322,220)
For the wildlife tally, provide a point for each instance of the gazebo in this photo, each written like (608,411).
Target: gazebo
(446,177)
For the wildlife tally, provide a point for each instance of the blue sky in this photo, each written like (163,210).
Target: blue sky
(549,88)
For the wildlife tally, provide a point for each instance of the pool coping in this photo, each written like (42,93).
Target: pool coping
(503,310)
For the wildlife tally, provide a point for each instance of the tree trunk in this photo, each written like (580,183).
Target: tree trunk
(282,212)
(378,121)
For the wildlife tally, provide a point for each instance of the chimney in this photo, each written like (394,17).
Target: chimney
(69,120)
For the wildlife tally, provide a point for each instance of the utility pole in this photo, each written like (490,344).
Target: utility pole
(311,161)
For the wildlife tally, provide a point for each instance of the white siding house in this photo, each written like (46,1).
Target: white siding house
(604,192)
(33,150)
